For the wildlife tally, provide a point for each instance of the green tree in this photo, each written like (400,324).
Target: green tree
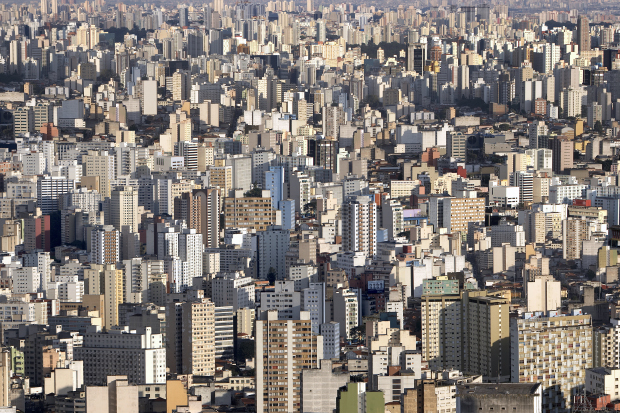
(255,192)
(598,127)
(359,334)
(372,101)
(271,275)
(590,274)
(246,349)
(504,127)
(310,207)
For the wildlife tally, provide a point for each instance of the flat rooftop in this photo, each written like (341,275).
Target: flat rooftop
(521,389)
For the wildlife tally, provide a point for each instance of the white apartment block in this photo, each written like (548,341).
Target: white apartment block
(313,301)
(359,227)
(284,299)
(565,194)
(139,356)
(331,340)
(504,196)
(233,289)
(67,288)
(554,350)
(346,311)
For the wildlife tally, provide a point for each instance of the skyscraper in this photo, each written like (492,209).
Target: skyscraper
(416,57)
(467,333)
(284,348)
(181,85)
(359,227)
(191,337)
(124,208)
(188,207)
(525,182)
(183,17)
(104,245)
(209,216)
(562,149)
(583,33)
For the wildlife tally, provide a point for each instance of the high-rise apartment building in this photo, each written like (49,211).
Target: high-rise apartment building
(346,311)
(543,294)
(100,165)
(209,216)
(248,212)
(273,244)
(468,333)
(562,150)
(181,84)
(486,335)
(554,350)
(188,207)
(191,337)
(233,289)
(459,212)
(140,356)
(359,227)
(106,280)
(456,145)
(525,182)
(104,245)
(5,371)
(37,235)
(23,121)
(224,332)
(124,208)
(222,177)
(284,348)
(574,232)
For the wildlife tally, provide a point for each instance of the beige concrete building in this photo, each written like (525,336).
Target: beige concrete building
(106,280)
(486,335)
(117,397)
(222,177)
(459,212)
(402,189)
(124,208)
(543,294)
(191,337)
(603,380)
(5,379)
(554,350)
(575,231)
(284,348)
(254,213)
(606,347)
(246,321)
(468,333)
(100,165)
(441,331)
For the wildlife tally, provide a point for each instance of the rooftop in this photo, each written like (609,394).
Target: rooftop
(514,389)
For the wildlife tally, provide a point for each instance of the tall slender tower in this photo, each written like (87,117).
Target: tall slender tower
(583,33)
(284,348)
